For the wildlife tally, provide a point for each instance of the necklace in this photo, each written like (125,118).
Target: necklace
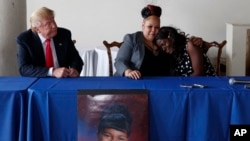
(153,48)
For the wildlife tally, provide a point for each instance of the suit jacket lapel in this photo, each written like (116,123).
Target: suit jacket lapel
(39,48)
(58,47)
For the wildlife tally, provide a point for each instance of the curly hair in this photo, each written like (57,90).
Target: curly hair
(178,37)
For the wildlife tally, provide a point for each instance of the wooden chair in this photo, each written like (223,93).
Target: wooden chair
(108,47)
(219,46)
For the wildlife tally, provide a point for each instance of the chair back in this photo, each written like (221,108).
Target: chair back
(218,58)
(108,47)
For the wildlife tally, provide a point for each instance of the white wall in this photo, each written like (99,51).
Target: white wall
(238,50)
(92,21)
(95,20)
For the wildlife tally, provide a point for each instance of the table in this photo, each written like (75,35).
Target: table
(13,108)
(176,114)
(96,61)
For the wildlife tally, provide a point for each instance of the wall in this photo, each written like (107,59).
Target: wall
(12,22)
(93,21)
(237,51)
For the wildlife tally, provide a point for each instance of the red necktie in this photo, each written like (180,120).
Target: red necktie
(49,56)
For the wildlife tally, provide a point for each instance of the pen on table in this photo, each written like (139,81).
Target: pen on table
(70,70)
(199,85)
(192,86)
(186,86)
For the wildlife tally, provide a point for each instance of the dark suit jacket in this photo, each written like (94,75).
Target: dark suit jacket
(30,55)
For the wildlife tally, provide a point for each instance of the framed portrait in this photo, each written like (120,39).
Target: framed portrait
(112,114)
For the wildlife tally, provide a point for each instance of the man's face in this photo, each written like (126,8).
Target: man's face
(110,134)
(48,28)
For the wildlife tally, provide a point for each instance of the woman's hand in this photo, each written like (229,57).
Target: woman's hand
(133,74)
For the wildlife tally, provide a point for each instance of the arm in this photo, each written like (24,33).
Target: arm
(67,54)
(128,58)
(76,62)
(123,56)
(196,57)
(30,56)
(197,41)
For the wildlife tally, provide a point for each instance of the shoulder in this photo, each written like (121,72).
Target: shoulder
(63,30)
(25,34)
(134,37)
(63,33)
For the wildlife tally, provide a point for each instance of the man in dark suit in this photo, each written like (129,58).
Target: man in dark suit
(31,45)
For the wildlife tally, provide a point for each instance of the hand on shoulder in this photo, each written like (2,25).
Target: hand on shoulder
(196,41)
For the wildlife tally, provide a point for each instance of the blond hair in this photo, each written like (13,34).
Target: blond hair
(38,15)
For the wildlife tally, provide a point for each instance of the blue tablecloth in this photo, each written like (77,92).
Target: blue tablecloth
(176,113)
(13,108)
